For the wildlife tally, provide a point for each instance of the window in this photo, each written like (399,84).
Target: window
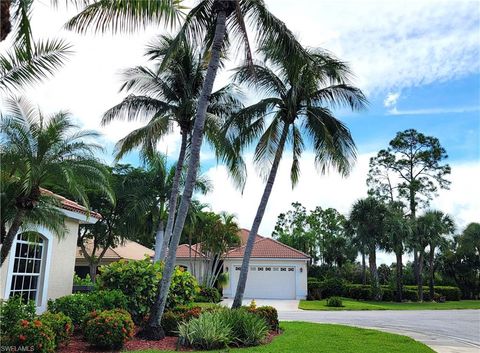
(275,268)
(253,268)
(237,268)
(291,269)
(268,268)
(283,269)
(260,269)
(27,266)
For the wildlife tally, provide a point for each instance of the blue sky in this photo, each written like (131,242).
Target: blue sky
(417,61)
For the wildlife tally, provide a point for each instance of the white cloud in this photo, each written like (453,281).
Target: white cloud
(391,99)
(429,111)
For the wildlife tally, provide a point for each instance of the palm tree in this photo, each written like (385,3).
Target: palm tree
(298,99)
(169,99)
(38,152)
(28,61)
(431,228)
(216,23)
(368,219)
(398,229)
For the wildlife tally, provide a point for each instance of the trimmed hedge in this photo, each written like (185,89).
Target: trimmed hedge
(449,292)
(108,329)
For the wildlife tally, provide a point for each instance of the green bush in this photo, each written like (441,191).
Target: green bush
(223,327)
(108,299)
(32,334)
(78,281)
(388,295)
(206,332)
(449,292)
(410,295)
(334,302)
(208,295)
(12,311)
(358,292)
(314,291)
(138,280)
(60,324)
(108,329)
(332,287)
(172,318)
(269,314)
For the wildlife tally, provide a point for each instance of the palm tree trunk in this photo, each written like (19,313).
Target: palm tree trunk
(364,269)
(11,234)
(399,270)
(432,272)
(372,262)
(159,237)
(420,276)
(153,330)
(172,202)
(242,281)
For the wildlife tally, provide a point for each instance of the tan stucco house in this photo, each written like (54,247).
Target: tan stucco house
(276,271)
(42,268)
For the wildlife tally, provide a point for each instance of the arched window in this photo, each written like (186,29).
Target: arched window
(27,274)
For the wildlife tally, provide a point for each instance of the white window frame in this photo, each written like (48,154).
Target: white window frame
(41,303)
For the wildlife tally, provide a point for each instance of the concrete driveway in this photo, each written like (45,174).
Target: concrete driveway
(445,331)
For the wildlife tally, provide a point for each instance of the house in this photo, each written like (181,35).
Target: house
(128,250)
(276,271)
(41,266)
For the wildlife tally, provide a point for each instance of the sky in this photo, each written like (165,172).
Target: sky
(418,62)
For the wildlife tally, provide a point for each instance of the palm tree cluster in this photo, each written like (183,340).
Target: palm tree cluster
(300,90)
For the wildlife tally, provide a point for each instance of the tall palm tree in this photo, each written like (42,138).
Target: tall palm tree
(398,229)
(432,226)
(28,61)
(294,112)
(40,151)
(368,219)
(168,99)
(216,23)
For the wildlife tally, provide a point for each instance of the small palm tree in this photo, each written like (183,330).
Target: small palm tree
(168,99)
(38,152)
(28,61)
(294,112)
(368,219)
(432,226)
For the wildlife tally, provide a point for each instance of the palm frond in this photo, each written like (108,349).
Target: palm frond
(339,96)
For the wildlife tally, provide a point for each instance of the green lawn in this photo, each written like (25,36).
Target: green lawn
(350,304)
(303,337)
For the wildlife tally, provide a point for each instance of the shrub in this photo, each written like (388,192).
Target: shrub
(32,334)
(313,289)
(108,329)
(269,314)
(170,322)
(248,329)
(75,306)
(358,292)
(78,281)
(12,311)
(208,295)
(138,280)
(332,287)
(334,302)
(388,295)
(449,292)
(60,324)
(206,332)
(411,295)
(108,299)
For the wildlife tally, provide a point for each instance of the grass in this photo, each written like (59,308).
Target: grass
(303,337)
(350,304)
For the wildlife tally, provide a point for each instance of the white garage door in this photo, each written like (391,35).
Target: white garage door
(268,282)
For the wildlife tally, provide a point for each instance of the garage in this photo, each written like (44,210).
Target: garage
(273,282)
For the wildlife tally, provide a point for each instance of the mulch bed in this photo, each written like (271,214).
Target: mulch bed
(78,345)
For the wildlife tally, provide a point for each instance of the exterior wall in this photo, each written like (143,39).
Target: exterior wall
(58,265)
(197,269)
(300,274)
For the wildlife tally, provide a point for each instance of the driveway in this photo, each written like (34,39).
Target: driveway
(445,331)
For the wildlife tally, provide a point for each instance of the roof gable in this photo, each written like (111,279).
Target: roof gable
(268,248)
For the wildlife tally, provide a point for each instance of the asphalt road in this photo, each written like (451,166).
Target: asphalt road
(445,331)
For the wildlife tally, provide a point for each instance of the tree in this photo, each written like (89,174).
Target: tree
(298,96)
(28,61)
(409,170)
(206,22)
(368,220)
(168,99)
(431,227)
(39,152)
(398,230)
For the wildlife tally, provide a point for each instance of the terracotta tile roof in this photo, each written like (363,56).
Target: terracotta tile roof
(129,250)
(268,248)
(183,251)
(71,205)
(243,235)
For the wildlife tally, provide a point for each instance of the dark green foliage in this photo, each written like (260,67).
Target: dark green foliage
(314,289)
(108,329)
(269,314)
(359,292)
(12,311)
(61,325)
(334,302)
(332,287)
(77,306)
(410,295)
(208,295)
(450,293)
(34,334)
(170,322)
